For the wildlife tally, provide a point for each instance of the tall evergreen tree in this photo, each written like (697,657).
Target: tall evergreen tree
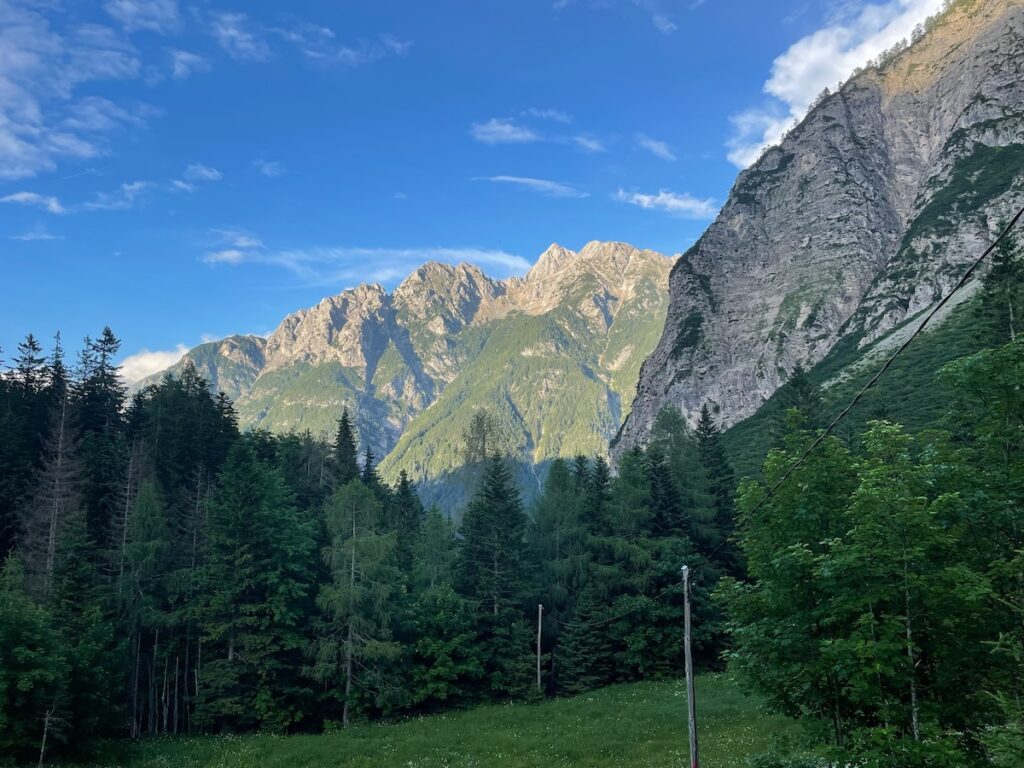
(492,571)
(346,464)
(255,583)
(355,643)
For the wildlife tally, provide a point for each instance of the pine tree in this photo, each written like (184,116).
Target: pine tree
(346,464)
(722,482)
(355,643)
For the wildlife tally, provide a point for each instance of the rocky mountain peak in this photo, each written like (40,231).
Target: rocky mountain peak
(863,215)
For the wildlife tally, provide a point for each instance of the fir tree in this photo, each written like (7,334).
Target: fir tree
(405,513)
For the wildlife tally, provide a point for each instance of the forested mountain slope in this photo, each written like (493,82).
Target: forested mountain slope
(866,212)
(554,356)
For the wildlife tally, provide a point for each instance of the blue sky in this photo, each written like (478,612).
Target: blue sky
(186,170)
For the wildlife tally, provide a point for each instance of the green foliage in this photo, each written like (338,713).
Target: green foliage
(34,667)
(354,644)
(254,586)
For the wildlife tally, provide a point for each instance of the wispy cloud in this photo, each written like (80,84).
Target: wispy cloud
(655,147)
(227,256)
(38,234)
(326,266)
(159,16)
(543,186)
(184,64)
(555,115)
(200,172)
(121,199)
(820,60)
(330,53)
(655,10)
(678,204)
(48,203)
(589,144)
(269,168)
(145,362)
(41,113)
(239,37)
(499,130)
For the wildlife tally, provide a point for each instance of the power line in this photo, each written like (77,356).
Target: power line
(835,422)
(842,415)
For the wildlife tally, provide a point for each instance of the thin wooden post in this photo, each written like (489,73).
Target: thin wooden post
(540,616)
(690,696)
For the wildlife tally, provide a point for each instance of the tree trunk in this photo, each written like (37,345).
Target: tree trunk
(46,732)
(135,687)
(915,726)
(51,540)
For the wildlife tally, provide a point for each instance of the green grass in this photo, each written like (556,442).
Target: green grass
(641,724)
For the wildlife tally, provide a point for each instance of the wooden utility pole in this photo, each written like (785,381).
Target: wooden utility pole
(540,616)
(690,697)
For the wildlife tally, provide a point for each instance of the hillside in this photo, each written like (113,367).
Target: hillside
(642,724)
(860,219)
(554,355)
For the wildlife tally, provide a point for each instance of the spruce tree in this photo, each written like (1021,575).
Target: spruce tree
(346,464)
(405,514)
(492,571)
(254,586)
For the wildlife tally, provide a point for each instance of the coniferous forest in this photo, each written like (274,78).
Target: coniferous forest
(166,574)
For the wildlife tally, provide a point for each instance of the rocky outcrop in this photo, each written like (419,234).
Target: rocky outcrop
(865,213)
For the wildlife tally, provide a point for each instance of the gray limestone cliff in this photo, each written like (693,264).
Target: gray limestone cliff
(864,215)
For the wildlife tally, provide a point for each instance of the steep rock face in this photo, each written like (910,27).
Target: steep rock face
(865,213)
(555,353)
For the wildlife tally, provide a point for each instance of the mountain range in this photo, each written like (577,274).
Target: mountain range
(554,356)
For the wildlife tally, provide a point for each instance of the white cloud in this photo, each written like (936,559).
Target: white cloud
(154,15)
(185,64)
(146,362)
(239,38)
(589,143)
(544,186)
(655,147)
(232,237)
(37,234)
(818,61)
(121,199)
(228,256)
(327,52)
(46,202)
(344,265)
(41,68)
(663,23)
(200,172)
(271,169)
(182,186)
(555,115)
(684,205)
(502,131)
